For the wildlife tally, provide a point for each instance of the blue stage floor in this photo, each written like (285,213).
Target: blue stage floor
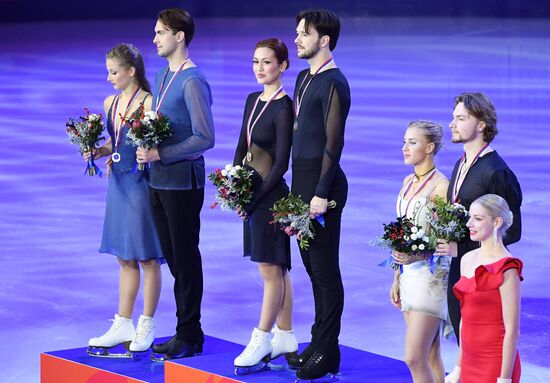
(57,291)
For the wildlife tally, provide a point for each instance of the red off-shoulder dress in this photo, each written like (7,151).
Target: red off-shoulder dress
(482,323)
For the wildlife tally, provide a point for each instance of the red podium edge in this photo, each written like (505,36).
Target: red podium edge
(174,372)
(58,370)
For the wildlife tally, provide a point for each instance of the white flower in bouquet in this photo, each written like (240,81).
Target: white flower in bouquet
(233,172)
(426,239)
(414,237)
(228,167)
(150,116)
(414,247)
(238,167)
(414,229)
(421,247)
(224,173)
(406,237)
(420,233)
(94,117)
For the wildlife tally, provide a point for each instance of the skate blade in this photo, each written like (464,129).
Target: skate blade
(328,378)
(103,352)
(164,357)
(251,369)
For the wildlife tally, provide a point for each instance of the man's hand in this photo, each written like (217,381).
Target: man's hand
(448,248)
(145,156)
(317,206)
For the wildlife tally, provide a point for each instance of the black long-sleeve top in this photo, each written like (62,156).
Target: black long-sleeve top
(319,137)
(489,175)
(271,143)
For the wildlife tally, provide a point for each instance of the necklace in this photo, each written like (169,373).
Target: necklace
(417,176)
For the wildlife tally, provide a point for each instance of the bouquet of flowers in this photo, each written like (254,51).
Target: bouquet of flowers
(292,214)
(86,133)
(234,187)
(405,237)
(448,220)
(147,130)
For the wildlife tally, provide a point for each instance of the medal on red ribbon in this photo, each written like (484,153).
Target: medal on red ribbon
(250,125)
(428,178)
(456,189)
(118,128)
(162,94)
(298,99)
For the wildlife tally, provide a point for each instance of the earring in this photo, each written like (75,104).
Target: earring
(495,238)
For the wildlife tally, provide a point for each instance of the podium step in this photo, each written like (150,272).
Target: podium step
(76,366)
(215,365)
(357,367)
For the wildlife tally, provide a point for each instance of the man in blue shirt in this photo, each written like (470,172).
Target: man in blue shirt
(177,175)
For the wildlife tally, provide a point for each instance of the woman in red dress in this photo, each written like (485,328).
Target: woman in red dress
(489,295)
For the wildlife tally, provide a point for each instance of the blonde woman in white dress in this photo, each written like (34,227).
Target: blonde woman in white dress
(419,289)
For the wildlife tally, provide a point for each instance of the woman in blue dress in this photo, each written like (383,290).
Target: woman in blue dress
(128,231)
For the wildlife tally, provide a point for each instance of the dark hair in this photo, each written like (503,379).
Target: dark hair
(177,20)
(128,56)
(478,105)
(278,47)
(324,21)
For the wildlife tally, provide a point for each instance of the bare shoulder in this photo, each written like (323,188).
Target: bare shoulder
(407,179)
(107,102)
(467,261)
(441,186)
(147,101)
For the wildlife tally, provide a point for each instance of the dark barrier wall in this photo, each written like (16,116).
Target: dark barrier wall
(45,10)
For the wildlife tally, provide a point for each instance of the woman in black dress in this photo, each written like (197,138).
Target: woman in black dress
(264,147)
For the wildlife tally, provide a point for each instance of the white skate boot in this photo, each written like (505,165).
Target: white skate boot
(454,376)
(121,332)
(145,334)
(283,342)
(256,355)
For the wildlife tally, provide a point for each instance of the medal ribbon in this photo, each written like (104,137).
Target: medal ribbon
(298,100)
(160,98)
(118,129)
(456,189)
(415,193)
(250,125)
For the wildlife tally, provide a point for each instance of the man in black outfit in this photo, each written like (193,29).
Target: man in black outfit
(480,171)
(177,175)
(321,104)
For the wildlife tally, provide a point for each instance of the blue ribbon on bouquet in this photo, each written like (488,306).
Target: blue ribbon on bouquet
(389,262)
(434,261)
(91,165)
(321,220)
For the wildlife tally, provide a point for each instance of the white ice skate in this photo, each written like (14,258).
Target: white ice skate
(283,342)
(256,355)
(121,332)
(454,376)
(145,334)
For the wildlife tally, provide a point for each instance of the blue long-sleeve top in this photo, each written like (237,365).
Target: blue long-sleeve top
(187,106)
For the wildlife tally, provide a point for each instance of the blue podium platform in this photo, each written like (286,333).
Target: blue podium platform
(215,365)
(357,367)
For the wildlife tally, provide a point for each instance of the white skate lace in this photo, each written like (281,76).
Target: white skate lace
(114,328)
(252,346)
(143,329)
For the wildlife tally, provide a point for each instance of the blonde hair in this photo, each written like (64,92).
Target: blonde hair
(497,207)
(432,131)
